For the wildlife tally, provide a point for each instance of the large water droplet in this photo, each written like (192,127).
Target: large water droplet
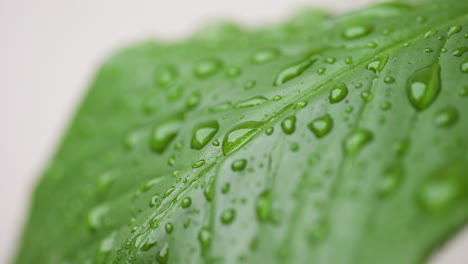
(354,142)
(459,52)
(207,67)
(321,126)
(203,133)
(424,86)
(338,93)
(265,55)
(289,125)
(186,202)
(446,117)
(204,237)
(254,101)
(378,64)
(454,30)
(163,134)
(294,70)
(357,31)
(239,135)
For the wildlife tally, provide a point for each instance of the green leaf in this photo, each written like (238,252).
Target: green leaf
(320,140)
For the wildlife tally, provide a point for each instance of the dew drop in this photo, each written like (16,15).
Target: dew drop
(226,188)
(300,104)
(321,126)
(169,228)
(163,255)
(338,93)
(289,125)
(163,134)
(294,70)
(221,107)
(169,191)
(233,72)
(239,165)
(354,142)
(357,31)
(204,237)
(265,55)
(430,33)
(95,217)
(378,64)
(198,164)
(386,106)
(321,70)
(166,76)
(269,130)
(186,202)
(391,181)
(239,135)
(209,191)
(464,67)
(367,96)
(227,216)
(330,60)
(203,133)
(446,117)
(250,85)
(389,79)
(348,60)
(254,101)
(263,206)
(459,52)
(424,86)
(193,100)
(463,92)
(106,246)
(207,67)
(155,201)
(454,30)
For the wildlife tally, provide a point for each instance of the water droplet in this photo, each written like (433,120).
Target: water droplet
(330,60)
(215,143)
(233,72)
(430,33)
(459,52)
(169,191)
(169,228)
(239,135)
(338,93)
(277,98)
(155,201)
(269,130)
(378,64)
(204,237)
(163,255)
(227,216)
(424,86)
(392,179)
(294,147)
(209,191)
(300,104)
(198,164)
(464,67)
(371,44)
(149,243)
(454,30)
(366,96)
(106,246)
(166,76)
(428,50)
(254,101)
(321,70)
(163,134)
(265,55)
(463,92)
(239,165)
(294,70)
(421,19)
(354,142)
(207,67)
(263,206)
(186,223)
(319,232)
(289,125)
(250,84)
(186,202)
(221,107)
(321,126)
(203,133)
(446,117)
(193,100)
(348,60)
(389,79)
(386,106)
(95,217)
(357,31)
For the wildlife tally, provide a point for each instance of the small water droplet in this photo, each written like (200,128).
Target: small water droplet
(348,60)
(198,164)
(386,106)
(169,191)
(106,246)
(424,86)
(221,107)
(166,76)
(321,70)
(464,67)
(163,255)
(239,135)
(367,96)
(155,201)
(95,217)
(446,117)
(459,52)
(289,125)
(233,72)
(163,134)
(186,202)
(254,101)
(294,70)
(371,44)
(169,227)
(392,179)
(428,50)
(215,143)
(294,147)
(265,55)
(203,133)
(430,33)
(463,92)
(300,104)
(193,100)
(263,206)
(357,31)
(269,130)
(227,216)
(354,142)
(378,64)
(226,187)
(454,30)
(209,191)
(389,79)
(207,67)
(321,126)
(330,60)
(239,165)
(204,237)
(250,85)
(338,93)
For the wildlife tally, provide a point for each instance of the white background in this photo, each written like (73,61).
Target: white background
(49,50)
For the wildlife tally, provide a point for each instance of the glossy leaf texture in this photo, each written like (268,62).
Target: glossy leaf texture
(324,139)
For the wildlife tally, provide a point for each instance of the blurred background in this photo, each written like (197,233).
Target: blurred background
(49,50)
